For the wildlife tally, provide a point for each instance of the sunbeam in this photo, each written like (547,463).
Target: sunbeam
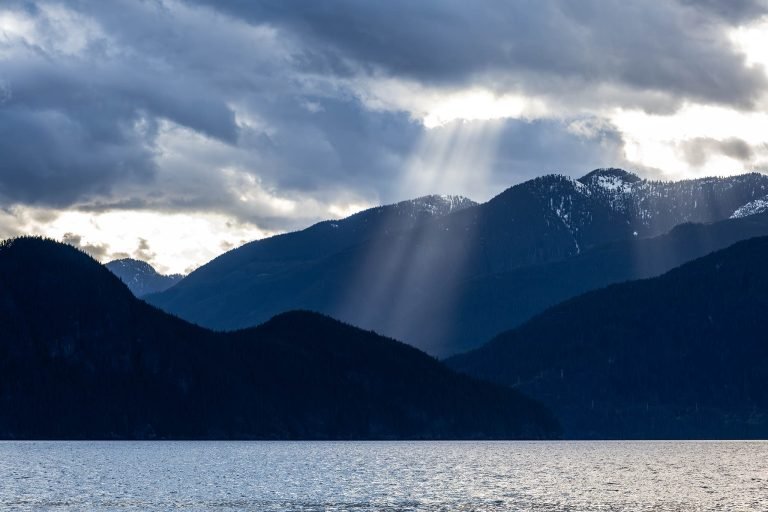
(453,158)
(387,290)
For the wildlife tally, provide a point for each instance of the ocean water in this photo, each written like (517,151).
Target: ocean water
(386,476)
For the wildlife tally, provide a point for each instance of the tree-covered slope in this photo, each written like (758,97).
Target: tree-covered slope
(80,357)
(683,355)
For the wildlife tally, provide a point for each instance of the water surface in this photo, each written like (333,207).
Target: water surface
(392,476)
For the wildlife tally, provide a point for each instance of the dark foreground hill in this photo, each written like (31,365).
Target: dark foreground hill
(80,357)
(429,282)
(683,355)
(141,277)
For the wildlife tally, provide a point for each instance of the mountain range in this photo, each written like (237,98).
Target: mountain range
(82,358)
(616,308)
(141,277)
(448,274)
(680,356)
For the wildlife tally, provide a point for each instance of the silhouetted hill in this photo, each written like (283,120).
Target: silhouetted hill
(447,284)
(81,357)
(141,277)
(683,355)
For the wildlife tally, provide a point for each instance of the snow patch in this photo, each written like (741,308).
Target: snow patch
(614,184)
(751,208)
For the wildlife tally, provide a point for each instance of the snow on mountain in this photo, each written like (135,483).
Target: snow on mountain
(141,277)
(614,185)
(434,205)
(610,179)
(612,203)
(397,269)
(751,208)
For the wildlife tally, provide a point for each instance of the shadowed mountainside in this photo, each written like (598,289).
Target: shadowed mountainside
(81,357)
(683,355)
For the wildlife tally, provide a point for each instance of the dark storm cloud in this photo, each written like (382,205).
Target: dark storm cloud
(74,127)
(342,142)
(550,45)
(54,159)
(735,11)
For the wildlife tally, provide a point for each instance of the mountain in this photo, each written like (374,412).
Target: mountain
(141,277)
(208,294)
(751,208)
(81,357)
(415,284)
(488,305)
(683,355)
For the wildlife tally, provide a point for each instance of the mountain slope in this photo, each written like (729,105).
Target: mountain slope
(488,305)
(80,357)
(683,355)
(141,277)
(217,289)
(425,284)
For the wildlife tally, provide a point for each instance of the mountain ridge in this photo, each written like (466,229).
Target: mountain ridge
(382,277)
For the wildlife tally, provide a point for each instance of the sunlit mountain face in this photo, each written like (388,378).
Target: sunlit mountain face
(446,274)
(173,131)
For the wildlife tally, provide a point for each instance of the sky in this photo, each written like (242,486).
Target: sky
(174,130)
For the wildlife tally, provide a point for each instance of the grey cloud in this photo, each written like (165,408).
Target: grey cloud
(543,46)
(143,252)
(264,87)
(531,148)
(735,11)
(103,252)
(74,127)
(96,251)
(52,158)
(342,148)
(698,151)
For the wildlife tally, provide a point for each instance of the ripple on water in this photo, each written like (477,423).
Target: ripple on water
(391,476)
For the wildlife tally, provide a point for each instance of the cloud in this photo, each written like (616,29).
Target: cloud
(734,11)
(125,106)
(96,251)
(680,50)
(143,252)
(698,151)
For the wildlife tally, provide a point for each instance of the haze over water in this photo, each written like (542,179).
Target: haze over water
(387,476)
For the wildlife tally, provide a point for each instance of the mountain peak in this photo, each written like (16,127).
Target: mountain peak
(438,205)
(546,185)
(609,177)
(138,265)
(141,277)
